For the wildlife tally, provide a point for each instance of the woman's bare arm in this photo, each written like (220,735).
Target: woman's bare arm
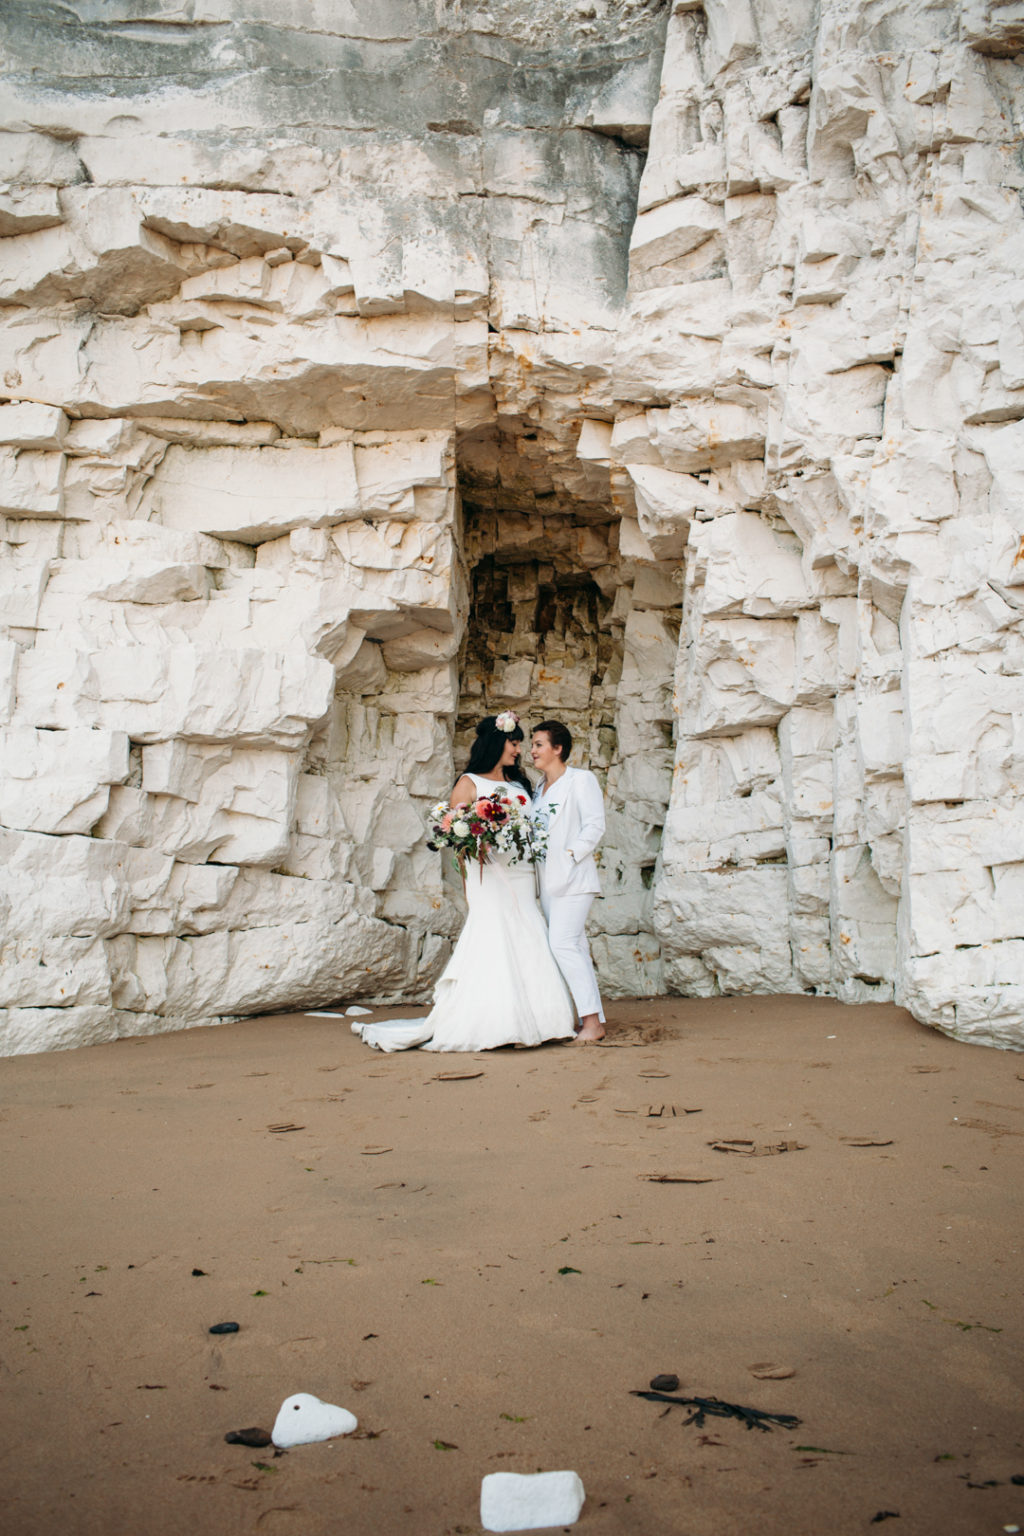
(464,792)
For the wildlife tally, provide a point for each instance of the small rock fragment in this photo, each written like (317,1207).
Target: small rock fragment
(531,1501)
(254,1436)
(666,1383)
(767,1370)
(224,1328)
(304,1419)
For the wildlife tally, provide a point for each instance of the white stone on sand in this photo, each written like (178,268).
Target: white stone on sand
(530,1501)
(304,1419)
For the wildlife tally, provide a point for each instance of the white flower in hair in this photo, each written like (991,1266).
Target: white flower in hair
(507,721)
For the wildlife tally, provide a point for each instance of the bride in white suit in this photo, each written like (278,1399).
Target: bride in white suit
(569,803)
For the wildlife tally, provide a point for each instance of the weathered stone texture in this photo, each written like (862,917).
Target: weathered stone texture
(831,211)
(359,373)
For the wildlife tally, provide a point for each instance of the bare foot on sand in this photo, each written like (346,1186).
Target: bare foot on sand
(590,1029)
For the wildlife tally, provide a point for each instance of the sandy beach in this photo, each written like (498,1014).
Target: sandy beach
(484,1256)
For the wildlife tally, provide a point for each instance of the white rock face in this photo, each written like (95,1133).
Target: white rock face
(318,442)
(850,667)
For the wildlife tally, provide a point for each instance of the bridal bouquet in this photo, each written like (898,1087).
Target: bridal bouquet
(493,822)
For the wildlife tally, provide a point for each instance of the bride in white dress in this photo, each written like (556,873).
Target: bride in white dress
(501,985)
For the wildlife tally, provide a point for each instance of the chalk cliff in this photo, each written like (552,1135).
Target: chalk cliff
(366,368)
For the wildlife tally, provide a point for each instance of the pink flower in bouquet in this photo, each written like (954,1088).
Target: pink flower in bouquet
(446,821)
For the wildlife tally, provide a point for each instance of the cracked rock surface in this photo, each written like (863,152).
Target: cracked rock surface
(367,368)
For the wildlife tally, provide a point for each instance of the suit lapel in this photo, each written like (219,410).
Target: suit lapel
(561,819)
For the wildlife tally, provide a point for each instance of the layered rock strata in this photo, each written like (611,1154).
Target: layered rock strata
(830,225)
(362,370)
(273,279)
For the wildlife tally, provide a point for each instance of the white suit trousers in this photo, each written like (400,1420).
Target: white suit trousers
(567,919)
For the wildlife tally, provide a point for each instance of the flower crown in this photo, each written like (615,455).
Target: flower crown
(506,722)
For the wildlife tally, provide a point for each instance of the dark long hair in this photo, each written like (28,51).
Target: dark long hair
(486,752)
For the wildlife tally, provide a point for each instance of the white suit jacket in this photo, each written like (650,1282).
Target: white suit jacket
(577,825)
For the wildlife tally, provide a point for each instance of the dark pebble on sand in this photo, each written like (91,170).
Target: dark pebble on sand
(256,1437)
(224,1328)
(664,1383)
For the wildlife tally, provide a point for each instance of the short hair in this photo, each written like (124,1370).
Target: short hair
(559,736)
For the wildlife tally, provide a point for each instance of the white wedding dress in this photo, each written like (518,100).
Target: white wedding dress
(501,985)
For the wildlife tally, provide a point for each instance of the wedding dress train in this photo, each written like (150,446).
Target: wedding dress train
(501,985)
